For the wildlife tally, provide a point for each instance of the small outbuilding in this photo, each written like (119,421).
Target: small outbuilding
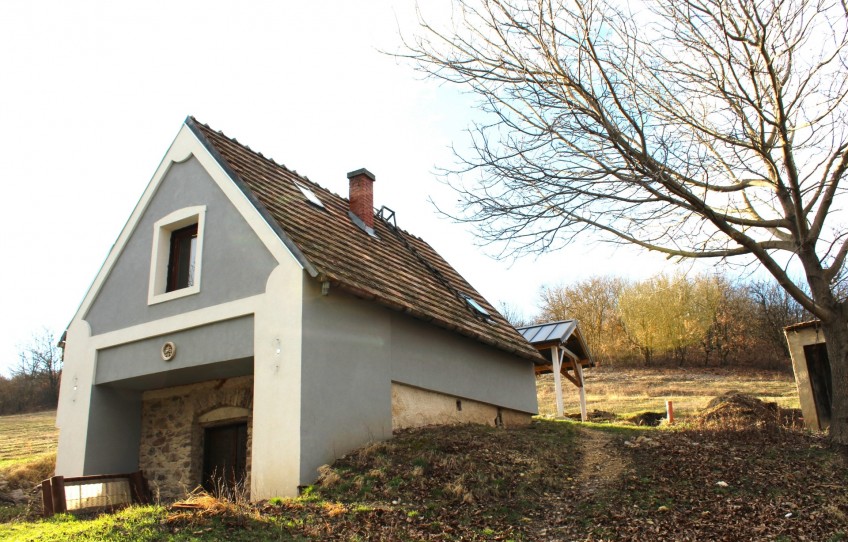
(563,345)
(808,350)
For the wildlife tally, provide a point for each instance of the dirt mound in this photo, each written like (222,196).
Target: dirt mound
(648,419)
(739,410)
(594,416)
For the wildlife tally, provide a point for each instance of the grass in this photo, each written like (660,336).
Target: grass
(627,392)
(26,437)
(552,480)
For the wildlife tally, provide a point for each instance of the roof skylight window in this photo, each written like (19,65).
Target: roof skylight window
(477,307)
(309,195)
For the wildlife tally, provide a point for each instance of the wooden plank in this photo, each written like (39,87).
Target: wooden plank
(556,358)
(57,490)
(94,477)
(46,498)
(578,369)
(137,488)
(571,378)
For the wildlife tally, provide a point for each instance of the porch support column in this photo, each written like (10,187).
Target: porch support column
(578,371)
(556,359)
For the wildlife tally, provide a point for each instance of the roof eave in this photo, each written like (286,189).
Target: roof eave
(363,293)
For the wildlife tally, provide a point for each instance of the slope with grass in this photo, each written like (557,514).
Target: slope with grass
(735,473)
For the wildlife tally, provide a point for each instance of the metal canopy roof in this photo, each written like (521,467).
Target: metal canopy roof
(551,331)
(563,333)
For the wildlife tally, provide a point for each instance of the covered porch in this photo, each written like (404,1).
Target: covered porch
(563,345)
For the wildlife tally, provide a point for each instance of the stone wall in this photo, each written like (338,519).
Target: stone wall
(415,407)
(171,451)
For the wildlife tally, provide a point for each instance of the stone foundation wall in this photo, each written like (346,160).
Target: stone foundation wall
(171,451)
(415,407)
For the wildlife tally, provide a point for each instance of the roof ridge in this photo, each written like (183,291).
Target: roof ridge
(411,279)
(248,149)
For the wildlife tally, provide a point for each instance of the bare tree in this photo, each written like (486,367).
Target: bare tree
(593,302)
(696,128)
(40,367)
(513,314)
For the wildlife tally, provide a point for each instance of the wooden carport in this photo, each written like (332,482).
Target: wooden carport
(563,344)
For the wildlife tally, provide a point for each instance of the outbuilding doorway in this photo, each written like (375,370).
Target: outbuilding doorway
(224,457)
(818,367)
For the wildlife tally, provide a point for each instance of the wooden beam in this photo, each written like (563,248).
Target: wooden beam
(573,380)
(556,358)
(579,372)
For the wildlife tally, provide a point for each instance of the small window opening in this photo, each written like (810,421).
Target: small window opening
(309,195)
(459,405)
(477,307)
(182,259)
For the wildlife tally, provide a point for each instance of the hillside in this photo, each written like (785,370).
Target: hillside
(744,472)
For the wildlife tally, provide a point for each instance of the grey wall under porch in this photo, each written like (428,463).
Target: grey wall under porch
(219,350)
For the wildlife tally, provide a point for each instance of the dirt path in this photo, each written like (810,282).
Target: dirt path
(601,460)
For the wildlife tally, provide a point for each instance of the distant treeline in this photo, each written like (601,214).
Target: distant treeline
(672,319)
(34,381)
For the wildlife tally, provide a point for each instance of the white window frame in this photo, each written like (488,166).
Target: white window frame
(162,252)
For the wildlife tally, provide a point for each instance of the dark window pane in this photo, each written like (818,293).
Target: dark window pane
(182,258)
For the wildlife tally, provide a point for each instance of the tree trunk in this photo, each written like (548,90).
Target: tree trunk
(836,335)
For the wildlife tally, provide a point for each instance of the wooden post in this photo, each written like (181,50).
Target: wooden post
(669,412)
(556,358)
(138,488)
(57,490)
(46,498)
(578,370)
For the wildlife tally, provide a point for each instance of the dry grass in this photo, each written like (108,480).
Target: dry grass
(26,437)
(27,474)
(627,392)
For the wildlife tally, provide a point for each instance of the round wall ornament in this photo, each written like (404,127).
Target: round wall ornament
(169,350)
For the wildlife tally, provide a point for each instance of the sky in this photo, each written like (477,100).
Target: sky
(93,93)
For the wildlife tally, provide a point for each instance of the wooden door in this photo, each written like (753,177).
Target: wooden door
(224,457)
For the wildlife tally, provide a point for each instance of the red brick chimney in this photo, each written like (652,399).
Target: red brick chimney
(362,195)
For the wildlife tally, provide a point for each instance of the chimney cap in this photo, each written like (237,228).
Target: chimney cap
(361,171)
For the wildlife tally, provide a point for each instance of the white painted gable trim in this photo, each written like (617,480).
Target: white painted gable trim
(185,145)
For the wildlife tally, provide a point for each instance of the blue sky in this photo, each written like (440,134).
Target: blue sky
(94,92)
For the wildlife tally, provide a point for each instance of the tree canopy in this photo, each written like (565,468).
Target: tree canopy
(696,128)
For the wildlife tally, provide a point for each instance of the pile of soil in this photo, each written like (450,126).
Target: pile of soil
(648,419)
(744,411)
(594,416)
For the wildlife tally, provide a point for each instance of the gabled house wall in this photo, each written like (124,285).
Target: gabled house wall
(247,312)
(315,369)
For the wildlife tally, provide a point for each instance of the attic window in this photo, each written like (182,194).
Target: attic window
(309,195)
(477,308)
(183,258)
(177,255)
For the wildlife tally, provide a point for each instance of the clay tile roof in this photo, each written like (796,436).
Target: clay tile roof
(397,270)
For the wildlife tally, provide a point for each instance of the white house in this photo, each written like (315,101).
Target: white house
(249,322)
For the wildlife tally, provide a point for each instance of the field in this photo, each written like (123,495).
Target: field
(627,392)
(27,436)
(743,479)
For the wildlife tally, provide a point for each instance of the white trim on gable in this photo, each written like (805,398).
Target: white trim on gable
(185,145)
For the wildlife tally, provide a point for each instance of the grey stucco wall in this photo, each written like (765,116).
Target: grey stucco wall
(218,350)
(346,390)
(114,430)
(235,262)
(431,358)
(352,351)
